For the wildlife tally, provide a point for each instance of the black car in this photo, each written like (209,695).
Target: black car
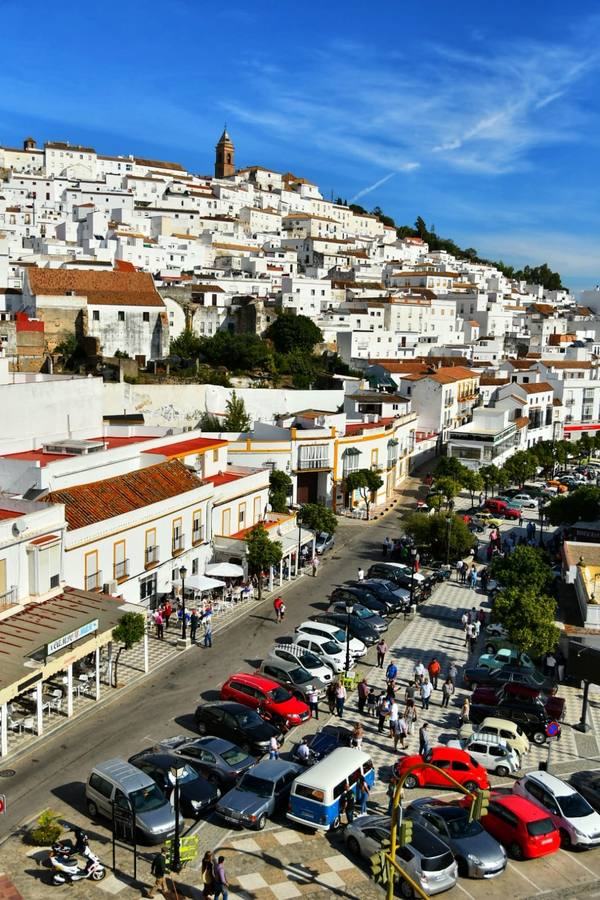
(588,785)
(359,628)
(360,595)
(325,741)
(236,723)
(401,575)
(531,716)
(217,760)
(196,793)
(396,598)
(359,612)
(531,678)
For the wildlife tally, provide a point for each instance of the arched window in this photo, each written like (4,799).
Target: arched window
(392,453)
(350,461)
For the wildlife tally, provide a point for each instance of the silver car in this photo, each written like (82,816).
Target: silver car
(477,853)
(292,676)
(426,859)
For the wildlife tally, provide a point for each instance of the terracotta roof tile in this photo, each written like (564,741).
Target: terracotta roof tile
(538,388)
(112,288)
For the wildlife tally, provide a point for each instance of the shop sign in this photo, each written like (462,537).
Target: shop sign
(70,638)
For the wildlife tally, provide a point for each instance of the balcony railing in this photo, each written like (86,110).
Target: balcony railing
(321,462)
(178,543)
(121,570)
(8,598)
(198,534)
(93,582)
(570,401)
(152,555)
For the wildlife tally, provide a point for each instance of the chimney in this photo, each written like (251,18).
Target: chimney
(29,144)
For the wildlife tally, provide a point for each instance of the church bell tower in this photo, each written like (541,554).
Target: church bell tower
(224,158)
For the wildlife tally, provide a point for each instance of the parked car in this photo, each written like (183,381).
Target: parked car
(269,698)
(357,648)
(531,716)
(324,542)
(513,734)
(499,641)
(196,794)
(512,512)
(360,612)
(359,628)
(258,794)
(325,741)
(519,693)
(398,573)
(588,785)
(295,678)
(353,594)
(214,758)
(474,676)
(426,859)
(509,655)
(521,826)
(457,763)
(496,505)
(396,598)
(524,500)
(577,822)
(486,519)
(327,649)
(236,723)
(478,855)
(491,752)
(313,664)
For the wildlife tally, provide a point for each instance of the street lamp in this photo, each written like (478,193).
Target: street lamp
(413,562)
(541,511)
(449,529)
(174,774)
(183,573)
(349,611)
(298,558)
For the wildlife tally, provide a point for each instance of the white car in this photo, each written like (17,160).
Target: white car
(577,821)
(313,664)
(326,648)
(526,501)
(357,648)
(491,752)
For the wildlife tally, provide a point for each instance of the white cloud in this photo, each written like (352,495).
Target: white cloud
(573,257)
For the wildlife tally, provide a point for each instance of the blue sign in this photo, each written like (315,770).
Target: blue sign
(552,729)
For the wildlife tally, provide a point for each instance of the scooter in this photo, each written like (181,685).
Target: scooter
(65,866)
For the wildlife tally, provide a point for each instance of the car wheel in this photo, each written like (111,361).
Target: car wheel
(516,851)
(261,822)
(463,869)
(565,840)
(353,846)
(411,782)
(92,809)
(489,648)
(335,824)
(502,771)
(406,889)
(539,738)
(471,786)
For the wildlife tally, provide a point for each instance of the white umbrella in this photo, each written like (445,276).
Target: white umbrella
(202,583)
(225,570)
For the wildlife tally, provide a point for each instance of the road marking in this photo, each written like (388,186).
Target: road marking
(583,866)
(532,883)
(464,890)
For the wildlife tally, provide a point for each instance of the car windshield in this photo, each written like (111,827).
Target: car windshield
(340,636)
(234,756)
(253,785)
(279,695)
(574,806)
(436,863)
(362,612)
(331,648)
(310,661)
(186,774)
(460,828)
(248,719)
(300,676)
(147,799)
(542,826)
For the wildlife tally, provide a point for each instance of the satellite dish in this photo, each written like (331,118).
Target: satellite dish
(18,528)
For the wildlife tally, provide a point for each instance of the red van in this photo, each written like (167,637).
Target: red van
(274,700)
(497,506)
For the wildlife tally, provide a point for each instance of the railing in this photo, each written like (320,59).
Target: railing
(320,463)
(198,535)
(570,401)
(93,582)
(8,598)
(178,543)
(152,554)
(121,570)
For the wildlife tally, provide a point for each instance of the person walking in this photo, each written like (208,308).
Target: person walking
(400,733)
(348,803)
(468,633)
(383,710)
(382,649)
(357,736)
(371,702)
(391,672)
(363,693)
(463,572)
(426,693)
(312,698)
(340,698)
(452,673)
(207,873)
(424,745)
(158,868)
(331,696)
(520,518)
(434,670)
(410,692)
(194,619)
(207,625)
(362,794)
(473,578)
(167,613)
(465,711)
(278,607)
(274,748)
(159,624)
(220,879)
(447,692)
(459,568)
(315,565)
(419,673)
(464,620)
(411,715)
(394,716)
(550,665)
(361,573)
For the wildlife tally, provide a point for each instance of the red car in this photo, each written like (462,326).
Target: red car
(525,830)
(456,763)
(511,513)
(491,696)
(276,702)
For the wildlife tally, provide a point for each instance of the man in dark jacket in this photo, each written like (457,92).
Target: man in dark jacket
(159,870)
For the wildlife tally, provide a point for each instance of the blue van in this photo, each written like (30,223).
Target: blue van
(316,792)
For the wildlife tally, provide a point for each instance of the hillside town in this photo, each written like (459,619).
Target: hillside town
(146,473)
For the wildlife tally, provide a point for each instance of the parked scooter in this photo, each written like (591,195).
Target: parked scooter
(65,865)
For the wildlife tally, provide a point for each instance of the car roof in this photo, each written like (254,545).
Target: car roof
(499,723)
(125,773)
(274,768)
(344,759)
(160,759)
(558,787)
(228,705)
(449,752)
(318,638)
(520,806)
(216,744)
(266,684)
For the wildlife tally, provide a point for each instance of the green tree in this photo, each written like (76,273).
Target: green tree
(490,478)
(503,480)
(367,483)
(128,631)
(236,417)
(187,345)
(279,485)
(583,448)
(473,482)
(442,534)
(528,617)
(450,467)
(290,332)
(262,553)
(238,352)
(71,351)
(582,504)
(448,487)
(519,467)
(210,422)
(544,456)
(318,518)
(525,565)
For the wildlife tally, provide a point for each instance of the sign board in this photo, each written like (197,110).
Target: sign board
(188,848)
(70,638)
(552,729)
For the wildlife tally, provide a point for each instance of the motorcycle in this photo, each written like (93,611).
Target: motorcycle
(64,863)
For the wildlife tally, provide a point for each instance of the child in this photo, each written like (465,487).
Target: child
(371,702)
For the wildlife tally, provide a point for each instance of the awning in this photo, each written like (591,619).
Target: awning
(201,583)
(225,570)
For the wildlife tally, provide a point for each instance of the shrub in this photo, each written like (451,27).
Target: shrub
(47,830)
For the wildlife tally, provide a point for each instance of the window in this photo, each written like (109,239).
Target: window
(146,316)
(241,515)
(147,589)
(195,566)
(197,529)
(315,456)
(97,783)
(350,461)
(120,563)
(215,456)
(121,315)
(92,576)
(96,315)
(177,534)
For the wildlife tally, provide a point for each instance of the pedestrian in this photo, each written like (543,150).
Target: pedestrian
(391,672)
(473,637)
(476,627)
(520,518)
(459,567)
(394,716)
(391,790)
(383,710)
(362,794)
(465,711)
(463,572)
(312,697)
(277,606)
(481,614)
(411,715)
(274,748)
(340,698)
(357,736)
(560,664)
(381,649)
(400,733)
(424,740)
(447,691)
(391,690)
(371,702)
(207,625)
(452,673)
(363,693)
(481,499)
(208,878)
(410,692)
(434,670)
(159,624)
(315,565)
(194,619)
(303,751)
(425,693)
(464,620)
(348,803)
(473,578)
(361,573)
(331,696)
(159,870)
(220,879)
(384,548)
(167,613)
(550,666)
(419,672)
(468,633)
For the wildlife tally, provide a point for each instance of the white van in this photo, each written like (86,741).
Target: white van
(322,629)
(315,795)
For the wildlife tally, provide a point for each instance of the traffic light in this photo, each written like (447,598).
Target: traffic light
(379,867)
(406,833)
(480,804)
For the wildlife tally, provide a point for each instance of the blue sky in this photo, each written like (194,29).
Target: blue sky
(485,121)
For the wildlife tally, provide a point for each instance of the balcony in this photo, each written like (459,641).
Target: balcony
(320,464)
(93,582)
(8,598)
(570,402)
(152,556)
(198,535)
(121,570)
(178,544)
